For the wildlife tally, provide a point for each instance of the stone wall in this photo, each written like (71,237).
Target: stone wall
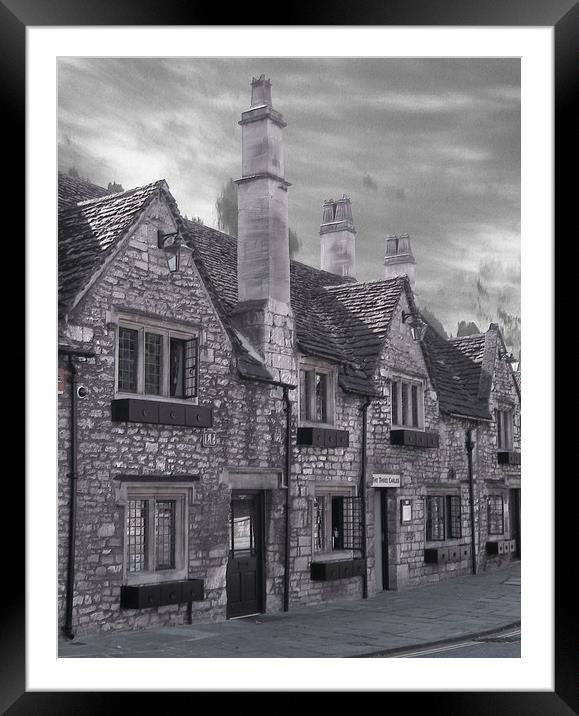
(138,280)
(249,421)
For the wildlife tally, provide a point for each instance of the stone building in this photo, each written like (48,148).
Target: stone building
(241,433)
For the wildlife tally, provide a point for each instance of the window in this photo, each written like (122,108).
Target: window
(337,522)
(443,517)
(496,515)
(156,362)
(316,396)
(505,429)
(407,404)
(155,536)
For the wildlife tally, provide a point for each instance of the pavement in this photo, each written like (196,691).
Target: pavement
(387,624)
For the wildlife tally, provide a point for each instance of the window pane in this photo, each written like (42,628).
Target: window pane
(165,533)
(191,367)
(153,352)
(405,387)
(495,515)
(321,397)
(320,524)
(454,521)
(128,359)
(177,368)
(304,395)
(395,419)
(137,535)
(500,429)
(435,518)
(415,406)
(337,523)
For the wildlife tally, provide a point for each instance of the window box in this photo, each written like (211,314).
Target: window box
(436,555)
(144,596)
(359,567)
(465,551)
(134,410)
(443,555)
(332,571)
(508,457)
(500,547)
(413,438)
(140,597)
(323,437)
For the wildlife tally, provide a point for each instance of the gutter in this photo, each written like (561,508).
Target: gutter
(71,353)
(470,417)
(364,410)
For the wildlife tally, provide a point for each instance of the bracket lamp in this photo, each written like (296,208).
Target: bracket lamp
(171,245)
(416,324)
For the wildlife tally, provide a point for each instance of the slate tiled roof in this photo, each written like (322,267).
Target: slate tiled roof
(336,318)
(71,190)
(456,374)
(315,309)
(89,231)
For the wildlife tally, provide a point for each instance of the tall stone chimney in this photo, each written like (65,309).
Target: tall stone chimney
(263,312)
(399,259)
(338,238)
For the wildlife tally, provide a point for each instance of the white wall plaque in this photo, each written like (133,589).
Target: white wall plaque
(382,480)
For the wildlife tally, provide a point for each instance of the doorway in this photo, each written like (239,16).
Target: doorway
(245,569)
(515,515)
(381,538)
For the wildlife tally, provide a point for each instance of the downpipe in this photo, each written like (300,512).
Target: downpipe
(364,409)
(469,444)
(288,464)
(73,482)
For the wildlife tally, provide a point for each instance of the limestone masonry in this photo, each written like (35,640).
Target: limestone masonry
(187,354)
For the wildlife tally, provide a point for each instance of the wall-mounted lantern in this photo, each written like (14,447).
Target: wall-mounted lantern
(416,324)
(506,356)
(171,245)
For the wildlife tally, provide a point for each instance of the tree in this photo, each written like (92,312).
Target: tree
(226,205)
(294,243)
(433,321)
(114,188)
(467,329)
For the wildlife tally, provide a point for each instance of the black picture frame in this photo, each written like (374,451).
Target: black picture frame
(563,16)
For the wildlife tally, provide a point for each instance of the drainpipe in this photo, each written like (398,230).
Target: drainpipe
(288,457)
(364,410)
(73,478)
(469,444)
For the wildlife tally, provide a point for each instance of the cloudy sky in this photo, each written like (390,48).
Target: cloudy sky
(428,147)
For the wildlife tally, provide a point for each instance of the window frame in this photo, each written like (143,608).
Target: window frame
(490,499)
(167,332)
(331,385)
(448,524)
(505,419)
(154,494)
(396,383)
(328,493)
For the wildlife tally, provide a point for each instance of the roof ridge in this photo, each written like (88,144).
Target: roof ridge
(352,284)
(118,194)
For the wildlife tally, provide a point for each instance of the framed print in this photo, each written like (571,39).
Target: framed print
(61,57)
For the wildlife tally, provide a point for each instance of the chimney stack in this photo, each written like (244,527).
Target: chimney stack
(399,259)
(338,238)
(262,198)
(263,311)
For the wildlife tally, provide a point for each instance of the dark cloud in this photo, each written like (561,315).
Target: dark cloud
(429,147)
(369,183)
